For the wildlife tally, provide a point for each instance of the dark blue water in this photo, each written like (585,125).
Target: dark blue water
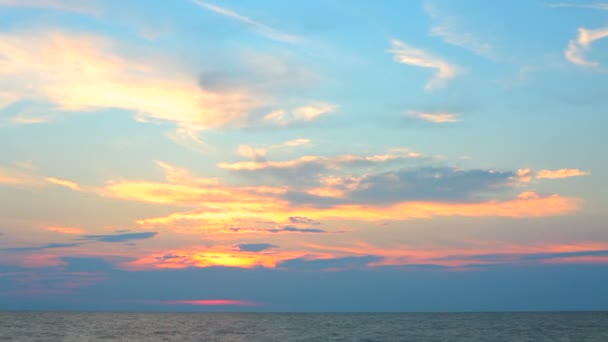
(512,327)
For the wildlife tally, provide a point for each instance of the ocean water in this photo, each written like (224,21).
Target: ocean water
(512,327)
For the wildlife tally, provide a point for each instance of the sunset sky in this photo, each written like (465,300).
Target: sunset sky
(303,155)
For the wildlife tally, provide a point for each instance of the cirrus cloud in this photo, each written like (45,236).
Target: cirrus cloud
(407,54)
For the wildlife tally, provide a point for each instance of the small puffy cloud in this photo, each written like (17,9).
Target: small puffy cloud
(255,247)
(578,48)
(439,117)
(524,175)
(561,173)
(120,237)
(407,54)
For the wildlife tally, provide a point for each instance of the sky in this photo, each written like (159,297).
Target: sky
(313,155)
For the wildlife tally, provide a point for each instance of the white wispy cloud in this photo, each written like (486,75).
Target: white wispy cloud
(440,117)
(447,28)
(306,113)
(597,5)
(407,54)
(262,28)
(82,6)
(579,47)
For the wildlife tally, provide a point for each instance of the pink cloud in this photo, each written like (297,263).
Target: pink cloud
(210,302)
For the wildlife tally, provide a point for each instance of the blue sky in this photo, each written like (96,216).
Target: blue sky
(310,156)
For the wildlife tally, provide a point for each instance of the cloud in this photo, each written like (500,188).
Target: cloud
(302,220)
(297,142)
(561,173)
(256,154)
(79,72)
(406,54)
(429,184)
(286,229)
(527,204)
(120,237)
(318,162)
(261,28)
(441,117)
(178,176)
(12,177)
(64,230)
(447,28)
(577,49)
(212,257)
(255,247)
(81,6)
(63,182)
(597,5)
(40,248)
(333,264)
(207,302)
(416,192)
(300,114)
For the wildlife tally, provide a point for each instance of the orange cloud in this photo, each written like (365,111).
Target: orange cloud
(85,72)
(435,117)
(331,162)
(63,182)
(214,256)
(300,114)
(12,177)
(64,230)
(527,205)
(220,206)
(475,253)
(211,302)
(561,173)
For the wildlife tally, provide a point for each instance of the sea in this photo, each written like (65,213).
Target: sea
(466,327)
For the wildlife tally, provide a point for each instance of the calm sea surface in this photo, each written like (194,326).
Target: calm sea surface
(512,327)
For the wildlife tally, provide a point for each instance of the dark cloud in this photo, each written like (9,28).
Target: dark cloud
(542,256)
(307,172)
(286,229)
(40,248)
(301,230)
(98,285)
(120,237)
(255,247)
(414,184)
(304,264)
(507,258)
(302,220)
(435,184)
(169,257)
